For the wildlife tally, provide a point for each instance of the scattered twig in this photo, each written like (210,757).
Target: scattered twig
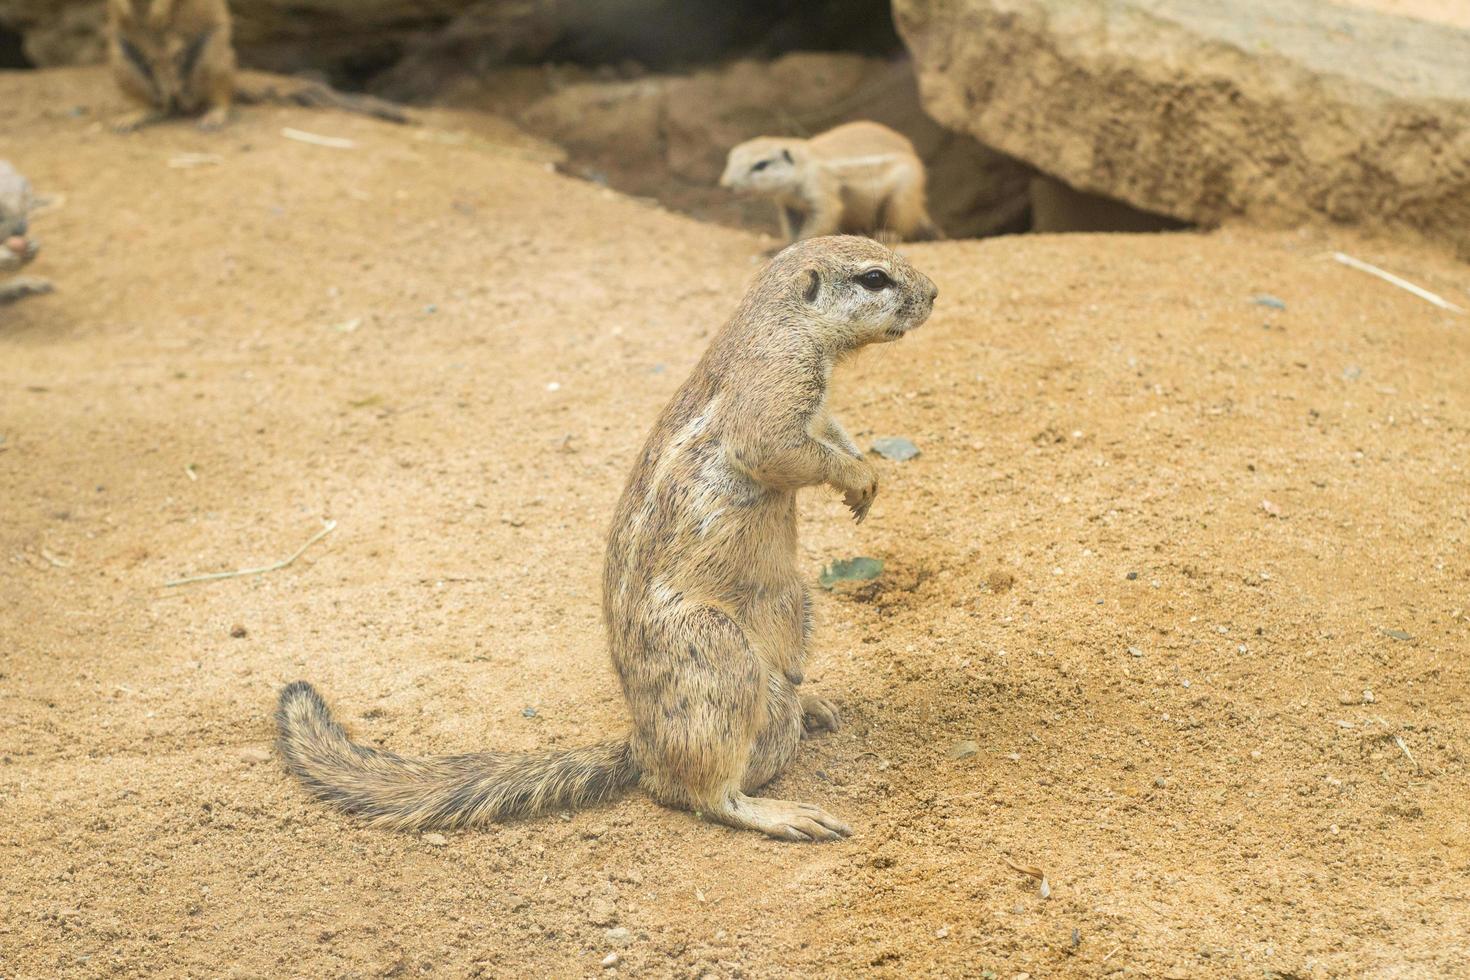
(1033,872)
(185,161)
(1389,277)
(190,472)
(327,528)
(302,136)
(57,562)
(1399,741)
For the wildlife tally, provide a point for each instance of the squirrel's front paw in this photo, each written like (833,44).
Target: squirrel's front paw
(858,500)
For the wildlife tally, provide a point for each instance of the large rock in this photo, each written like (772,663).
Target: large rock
(1277,110)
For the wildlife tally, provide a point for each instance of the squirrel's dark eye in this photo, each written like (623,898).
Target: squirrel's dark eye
(760,166)
(875,279)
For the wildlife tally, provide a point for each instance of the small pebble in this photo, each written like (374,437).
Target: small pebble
(434,840)
(1267,300)
(1135,651)
(942,932)
(1367,696)
(1132,576)
(896,448)
(1255,753)
(963,750)
(255,753)
(528,712)
(618,935)
(238,632)
(611,960)
(1396,635)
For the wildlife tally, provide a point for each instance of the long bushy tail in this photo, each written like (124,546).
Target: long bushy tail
(446,792)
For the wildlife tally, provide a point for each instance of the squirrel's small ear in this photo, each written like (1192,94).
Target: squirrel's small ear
(787,155)
(813,286)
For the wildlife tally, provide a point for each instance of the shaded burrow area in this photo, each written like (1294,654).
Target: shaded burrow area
(644,96)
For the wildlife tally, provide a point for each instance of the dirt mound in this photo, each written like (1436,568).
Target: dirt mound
(1233,736)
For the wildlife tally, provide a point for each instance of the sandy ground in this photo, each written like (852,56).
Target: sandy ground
(1186,703)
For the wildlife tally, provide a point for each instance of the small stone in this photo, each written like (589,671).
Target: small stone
(1161,782)
(963,750)
(1346,698)
(618,935)
(1335,830)
(942,932)
(528,712)
(1255,753)
(611,960)
(1396,635)
(1352,373)
(1132,576)
(1135,651)
(850,570)
(239,632)
(1368,696)
(434,840)
(896,448)
(255,753)
(1271,509)
(1267,300)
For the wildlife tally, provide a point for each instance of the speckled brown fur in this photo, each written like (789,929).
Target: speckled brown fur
(707,616)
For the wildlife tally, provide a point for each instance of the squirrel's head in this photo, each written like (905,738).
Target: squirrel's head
(762,165)
(851,291)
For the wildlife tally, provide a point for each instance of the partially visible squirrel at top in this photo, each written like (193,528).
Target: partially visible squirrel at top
(176,58)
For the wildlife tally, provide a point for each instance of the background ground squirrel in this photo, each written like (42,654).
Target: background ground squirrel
(176,58)
(707,616)
(861,178)
(16,248)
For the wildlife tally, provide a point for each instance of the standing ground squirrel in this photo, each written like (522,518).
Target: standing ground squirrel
(861,178)
(707,616)
(175,57)
(16,249)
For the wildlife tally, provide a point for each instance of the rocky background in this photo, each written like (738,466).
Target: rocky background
(1048,114)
